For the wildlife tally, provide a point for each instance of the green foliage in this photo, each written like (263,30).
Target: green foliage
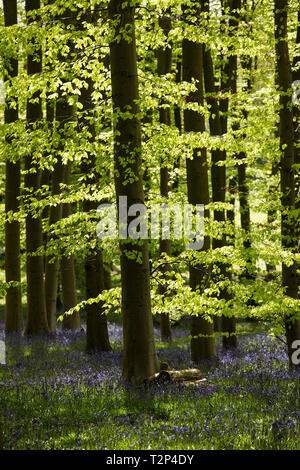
(76,52)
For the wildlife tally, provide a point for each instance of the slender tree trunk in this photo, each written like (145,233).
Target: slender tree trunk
(247,64)
(36,306)
(202,347)
(218,173)
(164,66)
(62,174)
(52,265)
(296,113)
(272,213)
(46,179)
(64,114)
(13,301)
(244,202)
(229,323)
(68,277)
(178,123)
(289,275)
(140,360)
(229,64)
(242,175)
(97,338)
(228,84)
(69,294)
(46,172)
(218,180)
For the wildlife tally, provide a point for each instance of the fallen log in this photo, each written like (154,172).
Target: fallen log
(187,377)
(188,374)
(196,383)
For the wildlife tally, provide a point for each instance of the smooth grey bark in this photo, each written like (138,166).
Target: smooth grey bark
(246,64)
(13,301)
(140,360)
(63,116)
(177,121)
(97,338)
(287,173)
(164,66)
(296,113)
(218,181)
(36,322)
(68,277)
(202,342)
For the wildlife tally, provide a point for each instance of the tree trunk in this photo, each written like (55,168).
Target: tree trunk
(52,266)
(107,276)
(229,83)
(229,323)
(218,180)
(296,113)
(46,179)
(140,360)
(36,323)
(235,7)
(69,294)
(68,278)
(202,347)
(178,123)
(13,300)
(164,66)
(246,63)
(97,338)
(286,132)
(64,114)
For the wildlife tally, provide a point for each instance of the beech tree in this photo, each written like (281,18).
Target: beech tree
(13,303)
(296,115)
(218,182)
(164,66)
(68,277)
(202,342)
(63,116)
(36,322)
(140,360)
(97,338)
(287,172)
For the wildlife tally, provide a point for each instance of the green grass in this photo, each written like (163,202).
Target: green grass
(54,396)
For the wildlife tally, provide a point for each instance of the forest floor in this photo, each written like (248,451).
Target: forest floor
(55,396)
